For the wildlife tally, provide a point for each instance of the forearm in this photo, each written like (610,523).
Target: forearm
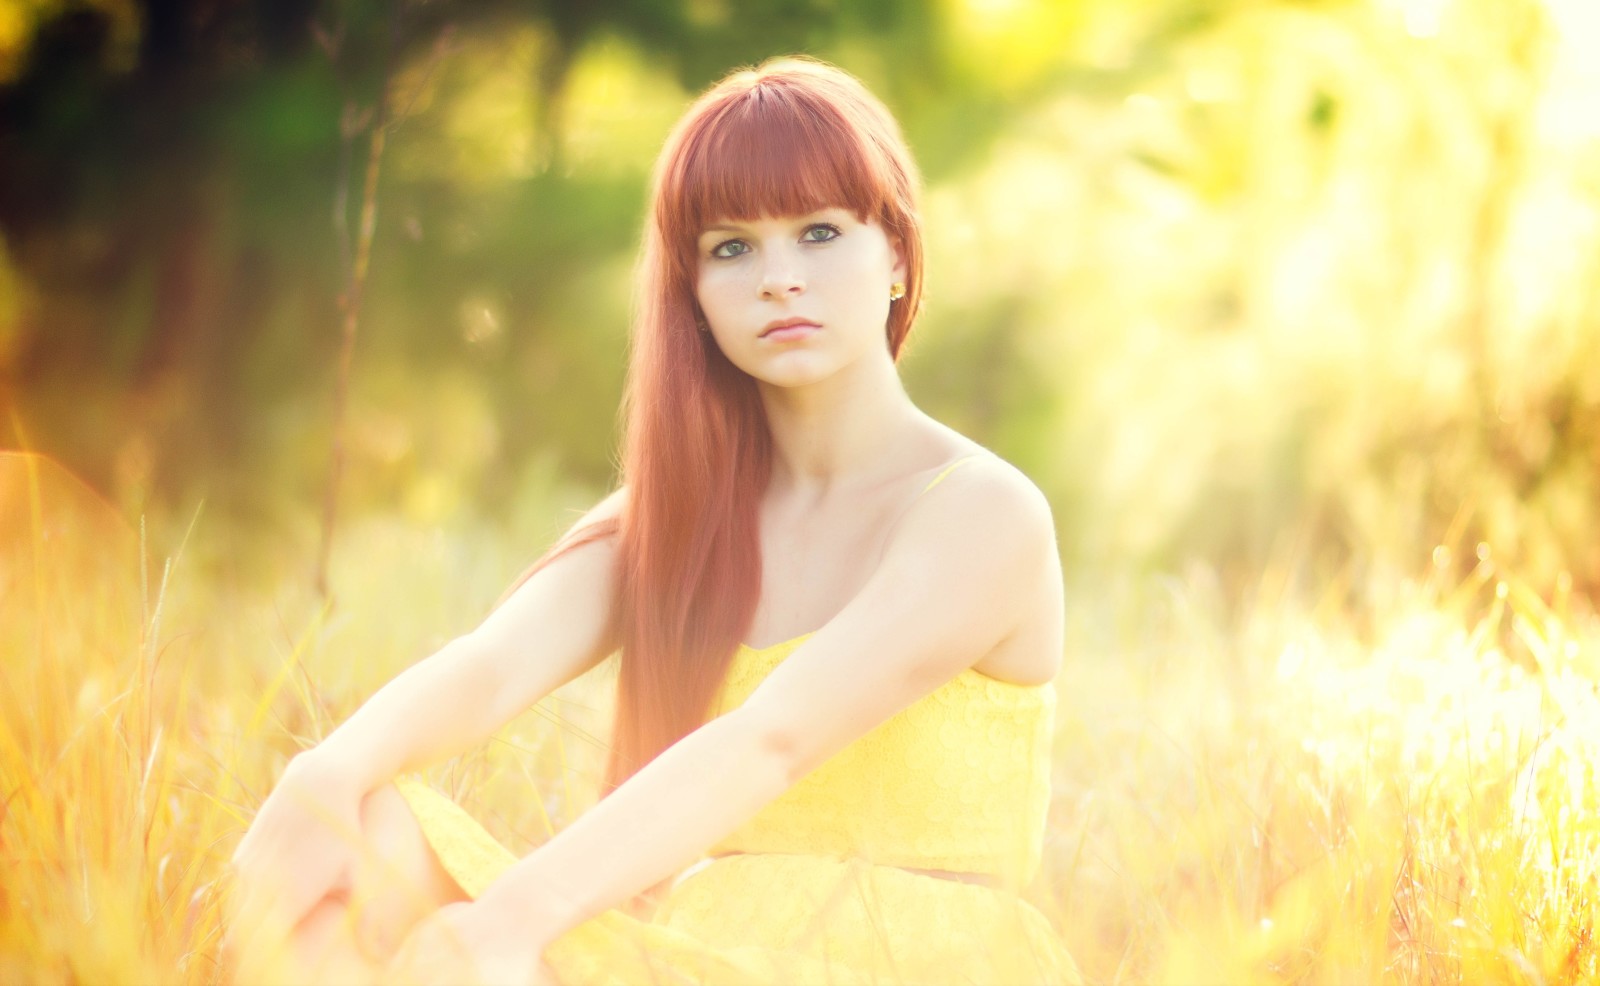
(435,709)
(658,822)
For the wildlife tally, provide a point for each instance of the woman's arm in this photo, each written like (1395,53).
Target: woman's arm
(963,568)
(551,630)
(304,840)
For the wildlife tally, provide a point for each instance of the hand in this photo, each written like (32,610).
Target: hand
(302,845)
(465,943)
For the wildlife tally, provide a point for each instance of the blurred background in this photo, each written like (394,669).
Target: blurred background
(1310,288)
(1291,308)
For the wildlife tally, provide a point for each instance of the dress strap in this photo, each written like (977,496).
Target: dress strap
(948,470)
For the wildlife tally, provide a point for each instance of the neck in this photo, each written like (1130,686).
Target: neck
(841,432)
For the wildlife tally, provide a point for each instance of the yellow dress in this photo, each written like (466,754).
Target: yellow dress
(819,887)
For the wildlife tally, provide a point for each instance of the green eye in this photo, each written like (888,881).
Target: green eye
(830,231)
(724,249)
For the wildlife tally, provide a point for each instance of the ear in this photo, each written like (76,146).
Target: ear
(897,255)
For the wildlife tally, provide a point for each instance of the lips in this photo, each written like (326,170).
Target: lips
(788,323)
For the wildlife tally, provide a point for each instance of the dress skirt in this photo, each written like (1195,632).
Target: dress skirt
(784,919)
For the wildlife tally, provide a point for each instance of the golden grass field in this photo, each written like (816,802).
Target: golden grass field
(1390,785)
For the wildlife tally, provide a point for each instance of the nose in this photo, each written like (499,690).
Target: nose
(781,275)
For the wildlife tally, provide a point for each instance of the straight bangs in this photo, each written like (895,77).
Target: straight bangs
(774,151)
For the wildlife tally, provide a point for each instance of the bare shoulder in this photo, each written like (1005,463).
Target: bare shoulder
(987,532)
(983,522)
(606,513)
(610,508)
(983,496)
(1007,484)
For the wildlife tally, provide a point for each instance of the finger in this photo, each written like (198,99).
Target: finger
(291,891)
(269,905)
(403,969)
(428,956)
(543,975)
(249,948)
(254,893)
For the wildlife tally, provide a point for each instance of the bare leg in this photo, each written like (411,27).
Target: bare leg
(323,949)
(398,882)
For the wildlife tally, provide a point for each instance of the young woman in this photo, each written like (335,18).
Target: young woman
(838,620)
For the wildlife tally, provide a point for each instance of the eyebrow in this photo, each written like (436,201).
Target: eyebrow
(724,228)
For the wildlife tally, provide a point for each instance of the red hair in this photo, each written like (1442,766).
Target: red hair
(786,138)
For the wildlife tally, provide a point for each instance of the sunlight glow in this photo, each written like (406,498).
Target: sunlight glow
(1422,20)
(1421,17)
(1570,111)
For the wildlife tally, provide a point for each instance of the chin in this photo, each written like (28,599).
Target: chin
(789,371)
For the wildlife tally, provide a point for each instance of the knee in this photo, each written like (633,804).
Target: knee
(399,878)
(388,828)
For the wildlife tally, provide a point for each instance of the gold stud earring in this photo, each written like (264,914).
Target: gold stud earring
(897,291)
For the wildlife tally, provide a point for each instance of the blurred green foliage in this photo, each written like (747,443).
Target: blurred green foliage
(1266,284)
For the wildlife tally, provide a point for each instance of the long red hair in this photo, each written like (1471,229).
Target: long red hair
(788,137)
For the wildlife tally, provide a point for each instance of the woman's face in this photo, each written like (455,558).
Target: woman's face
(827,271)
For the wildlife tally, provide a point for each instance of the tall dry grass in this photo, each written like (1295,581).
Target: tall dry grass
(1302,796)
(1395,785)
(144,716)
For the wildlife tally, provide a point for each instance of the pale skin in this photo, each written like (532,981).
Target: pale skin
(900,593)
